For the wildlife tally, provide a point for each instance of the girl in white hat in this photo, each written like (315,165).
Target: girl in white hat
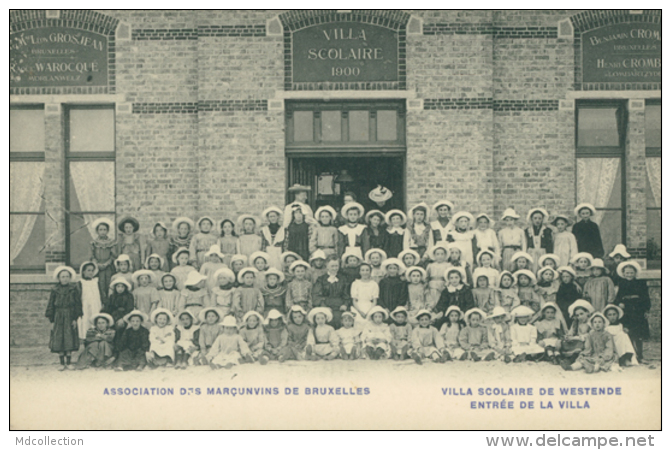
(586,232)
(317,265)
(393,287)
(617,256)
(599,353)
(213,261)
(134,343)
(484,294)
(581,263)
(229,349)
(426,340)
(169,296)
(485,236)
(288,258)
(297,235)
(182,268)
(522,261)
(247,297)
(210,328)
(417,298)
(565,245)
(364,292)
(634,299)
(228,240)
(99,343)
(418,236)
(222,293)
(524,336)
(274,292)
(298,330)
(456,293)
(181,238)
(375,257)
(91,296)
(442,226)
(249,240)
(276,335)
(396,220)
(185,339)
(574,341)
(351,235)
(154,262)
(324,235)
(526,289)
(507,291)
(203,241)
(547,285)
(511,238)
(124,269)
(130,242)
(487,262)
(623,347)
(161,339)
(299,289)
(145,292)
(194,295)
(473,338)
(238,262)
(349,337)
(568,291)
(322,340)
(498,333)
(450,330)
(456,259)
(273,236)
(260,261)
(376,336)
(104,251)
(551,330)
(376,235)
(435,271)
(462,236)
(539,237)
(119,303)
(401,334)
(599,288)
(252,333)
(159,244)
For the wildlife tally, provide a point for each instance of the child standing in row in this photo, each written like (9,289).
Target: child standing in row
(273,236)
(181,239)
(129,242)
(512,239)
(103,253)
(63,311)
(159,244)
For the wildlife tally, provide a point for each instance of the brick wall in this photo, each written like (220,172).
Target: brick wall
(27,305)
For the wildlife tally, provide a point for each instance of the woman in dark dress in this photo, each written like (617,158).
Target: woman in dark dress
(332,291)
(633,297)
(63,310)
(297,238)
(376,235)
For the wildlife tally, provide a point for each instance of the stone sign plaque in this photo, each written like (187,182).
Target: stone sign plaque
(345,52)
(623,53)
(56,56)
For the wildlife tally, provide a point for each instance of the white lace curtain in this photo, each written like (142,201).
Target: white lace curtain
(26,189)
(94,186)
(596,179)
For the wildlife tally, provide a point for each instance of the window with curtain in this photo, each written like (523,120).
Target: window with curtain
(600,142)
(90,154)
(26,189)
(653,162)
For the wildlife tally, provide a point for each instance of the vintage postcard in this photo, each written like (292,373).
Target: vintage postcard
(335,219)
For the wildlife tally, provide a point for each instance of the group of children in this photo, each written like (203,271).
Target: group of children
(385,288)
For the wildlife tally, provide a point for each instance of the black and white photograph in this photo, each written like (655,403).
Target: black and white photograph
(335,219)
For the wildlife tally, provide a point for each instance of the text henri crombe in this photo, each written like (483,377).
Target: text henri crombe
(233,391)
(46,440)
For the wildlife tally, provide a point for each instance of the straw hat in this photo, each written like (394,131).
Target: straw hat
(274,271)
(620,313)
(377,309)
(297,308)
(317,254)
(138,273)
(547,256)
(193,278)
(621,250)
(394,212)
(238,257)
(352,205)
(226,272)
(535,210)
(284,255)
(122,280)
(462,214)
(180,220)
(272,315)
(423,312)
(443,202)
(124,258)
(586,255)
(486,216)
(160,224)
(598,264)
(542,270)
(504,273)
(178,252)
(229,321)
(380,194)
(374,212)
(158,311)
(420,205)
(299,188)
(203,312)
(399,309)
(107,317)
(346,314)
(325,208)
(161,261)
(550,305)
(409,252)
(389,261)
(527,273)
(580,303)
(472,311)
(479,272)
(561,217)
(412,269)
(244,271)
(259,254)
(499,311)
(132,220)
(270,209)
(349,252)
(319,310)
(455,308)
(524,255)
(299,263)
(582,206)
(567,269)
(106,221)
(510,212)
(371,251)
(598,314)
(136,312)
(215,250)
(622,265)
(209,219)
(249,314)
(442,244)
(243,217)
(188,313)
(486,251)
(89,263)
(460,270)
(522,311)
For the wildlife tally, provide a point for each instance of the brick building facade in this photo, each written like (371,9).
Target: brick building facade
(487,105)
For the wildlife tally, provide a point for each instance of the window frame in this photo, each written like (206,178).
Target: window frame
(83,157)
(652,152)
(20,157)
(607,152)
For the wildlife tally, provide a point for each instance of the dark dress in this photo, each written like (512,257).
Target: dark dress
(103,253)
(463,298)
(332,295)
(117,306)
(394,244)
(393,293)
(298,239)
(566,295)
(64,308)
(132,348)
(547,241)
(588,236)
(378,240)
(634,294)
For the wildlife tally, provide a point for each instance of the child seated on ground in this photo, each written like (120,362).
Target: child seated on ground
(450,333)
(276,335)
(524,336)
(526,290)
(297,335)
(252,333)
(498,333)
(229,348)
(99,344)
(161,339)
(222,293)
(550,332)
(376,336)
(134,343)
(322,339)
(247,297)
(349,337)
(210,329)
(623,347)
(186,339)
(426,341)
(401,334)
(473,338)
(574,341)
(599,353)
